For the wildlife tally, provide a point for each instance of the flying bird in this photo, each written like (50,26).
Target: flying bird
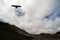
(16,6)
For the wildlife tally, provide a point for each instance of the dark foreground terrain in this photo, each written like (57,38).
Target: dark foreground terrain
(11,32)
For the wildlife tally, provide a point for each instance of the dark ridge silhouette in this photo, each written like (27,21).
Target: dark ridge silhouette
(11,32)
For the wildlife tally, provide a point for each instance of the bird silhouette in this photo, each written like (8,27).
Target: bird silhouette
(16,6)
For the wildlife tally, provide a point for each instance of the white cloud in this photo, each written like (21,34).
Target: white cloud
(34,21)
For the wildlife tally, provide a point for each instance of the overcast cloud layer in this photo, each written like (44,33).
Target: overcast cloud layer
(35,16)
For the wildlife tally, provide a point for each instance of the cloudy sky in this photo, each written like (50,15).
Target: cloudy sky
(35,16)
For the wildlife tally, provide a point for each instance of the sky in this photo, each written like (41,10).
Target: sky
(35,16)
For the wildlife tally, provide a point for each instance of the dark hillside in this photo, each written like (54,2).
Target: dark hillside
(8,32)
(11,32)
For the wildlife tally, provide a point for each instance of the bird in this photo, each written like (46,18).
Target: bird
(16,6)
